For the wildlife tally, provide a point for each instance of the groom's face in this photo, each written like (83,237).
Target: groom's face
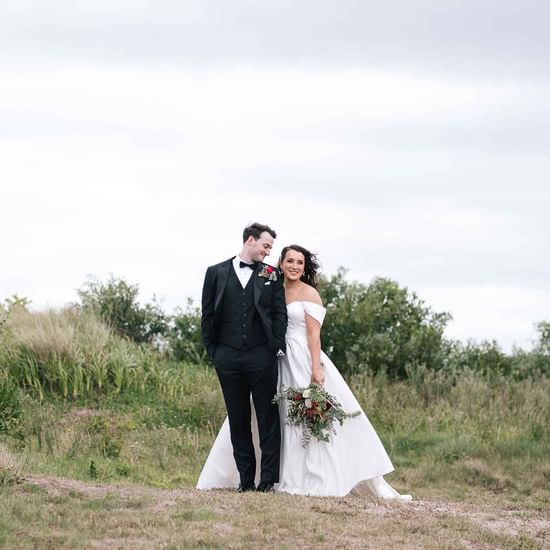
(259,249)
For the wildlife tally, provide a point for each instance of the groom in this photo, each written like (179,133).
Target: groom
(243,327)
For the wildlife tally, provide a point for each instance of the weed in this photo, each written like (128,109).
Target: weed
(10,467)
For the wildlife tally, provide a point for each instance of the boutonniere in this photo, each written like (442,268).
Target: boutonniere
(268,272)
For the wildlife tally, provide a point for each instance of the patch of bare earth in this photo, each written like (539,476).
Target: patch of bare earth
(222,518)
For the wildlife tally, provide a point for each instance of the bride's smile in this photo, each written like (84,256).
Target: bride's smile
(293,265)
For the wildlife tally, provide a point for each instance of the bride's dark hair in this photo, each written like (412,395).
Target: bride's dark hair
(311,265)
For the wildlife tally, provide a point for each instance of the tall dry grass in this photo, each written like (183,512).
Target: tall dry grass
(463,430)
(74,354)
(10,467)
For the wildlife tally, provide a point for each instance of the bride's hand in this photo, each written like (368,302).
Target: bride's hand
(317,377)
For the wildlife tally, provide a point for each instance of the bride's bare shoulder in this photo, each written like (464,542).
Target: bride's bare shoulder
(310,294)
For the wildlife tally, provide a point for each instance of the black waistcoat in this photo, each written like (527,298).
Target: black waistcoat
(240,324)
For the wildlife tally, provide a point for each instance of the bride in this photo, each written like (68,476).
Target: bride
(355,454)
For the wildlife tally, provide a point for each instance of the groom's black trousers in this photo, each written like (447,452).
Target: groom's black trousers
(243,372)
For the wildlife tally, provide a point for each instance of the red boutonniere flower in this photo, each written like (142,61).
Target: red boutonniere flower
(268,272)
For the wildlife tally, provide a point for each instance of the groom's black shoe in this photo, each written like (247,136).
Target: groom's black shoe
(245,487)
(265,488)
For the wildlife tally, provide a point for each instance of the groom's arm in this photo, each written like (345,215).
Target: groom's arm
(278,315)
(208,312)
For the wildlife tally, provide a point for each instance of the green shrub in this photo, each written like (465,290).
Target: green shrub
(184,335)
(11,408)
(116,303)
(485,358)
(379,327)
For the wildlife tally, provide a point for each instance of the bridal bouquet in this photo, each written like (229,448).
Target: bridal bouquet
(315,410)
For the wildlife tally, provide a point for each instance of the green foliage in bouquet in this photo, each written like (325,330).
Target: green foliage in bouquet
(315,410)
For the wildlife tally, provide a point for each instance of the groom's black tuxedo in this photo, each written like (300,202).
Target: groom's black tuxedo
(243,329)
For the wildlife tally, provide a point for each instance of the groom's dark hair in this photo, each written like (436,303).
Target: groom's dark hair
(255,230)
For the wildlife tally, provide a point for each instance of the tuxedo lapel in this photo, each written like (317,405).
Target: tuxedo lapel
(258,282)
(221,283)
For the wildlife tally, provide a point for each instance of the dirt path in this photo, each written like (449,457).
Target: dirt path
(491,516)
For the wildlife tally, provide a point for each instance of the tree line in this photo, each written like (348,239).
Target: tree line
(380,327)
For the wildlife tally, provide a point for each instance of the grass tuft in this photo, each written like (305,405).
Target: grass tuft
(477,472)
(10,467)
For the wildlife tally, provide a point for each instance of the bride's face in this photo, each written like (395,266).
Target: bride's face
(293,265)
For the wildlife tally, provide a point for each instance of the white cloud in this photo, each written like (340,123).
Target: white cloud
(152,172)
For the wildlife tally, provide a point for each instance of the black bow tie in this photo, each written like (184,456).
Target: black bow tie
(244,264)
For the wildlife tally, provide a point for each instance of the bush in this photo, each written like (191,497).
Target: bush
(485,358)
(116,303)
(184,336)
(379,327)
(539,360)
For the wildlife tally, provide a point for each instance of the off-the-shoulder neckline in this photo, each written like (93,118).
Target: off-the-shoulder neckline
(305,302)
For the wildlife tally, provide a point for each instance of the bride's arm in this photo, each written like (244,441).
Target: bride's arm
(313,328)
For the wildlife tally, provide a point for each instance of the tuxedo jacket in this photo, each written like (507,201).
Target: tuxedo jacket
(269,302)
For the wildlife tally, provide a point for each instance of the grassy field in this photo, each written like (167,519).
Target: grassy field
(106,454)
(52,513)
(118,472)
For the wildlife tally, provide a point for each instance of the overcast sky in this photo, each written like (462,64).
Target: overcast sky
(405,139)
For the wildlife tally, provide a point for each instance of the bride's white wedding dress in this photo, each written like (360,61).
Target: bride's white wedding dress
(354,454)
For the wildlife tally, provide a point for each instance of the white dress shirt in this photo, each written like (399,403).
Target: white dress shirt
(243,273)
